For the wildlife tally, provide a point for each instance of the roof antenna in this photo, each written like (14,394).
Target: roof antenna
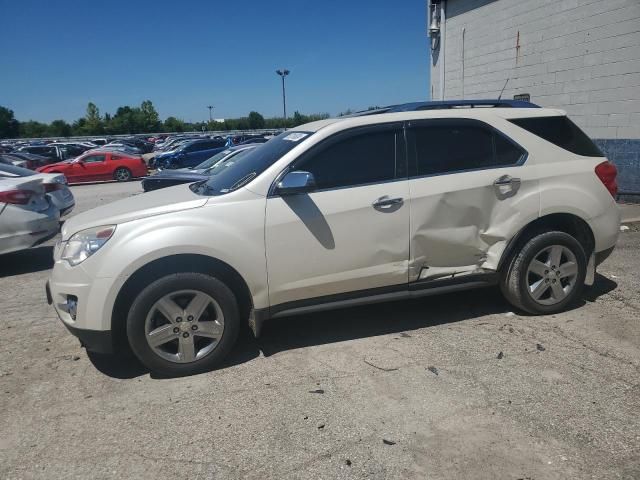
(501,91)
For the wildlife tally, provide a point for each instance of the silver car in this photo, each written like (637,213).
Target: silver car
(27,216)
(55,185)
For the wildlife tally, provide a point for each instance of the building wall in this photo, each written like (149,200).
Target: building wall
(582,56)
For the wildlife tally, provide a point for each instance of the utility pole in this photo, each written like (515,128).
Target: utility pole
(283,73)
(210,107)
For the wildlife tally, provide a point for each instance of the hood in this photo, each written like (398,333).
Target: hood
(53,165)
(159,202)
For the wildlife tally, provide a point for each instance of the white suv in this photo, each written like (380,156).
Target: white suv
(341,212)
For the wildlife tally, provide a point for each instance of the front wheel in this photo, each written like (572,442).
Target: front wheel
(122,174)
(183,324)
(546,275)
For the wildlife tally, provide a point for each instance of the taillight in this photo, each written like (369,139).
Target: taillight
(16,197)
(607,173)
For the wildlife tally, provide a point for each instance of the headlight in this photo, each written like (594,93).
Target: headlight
(85,243)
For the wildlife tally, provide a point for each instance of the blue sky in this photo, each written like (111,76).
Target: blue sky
(59,55)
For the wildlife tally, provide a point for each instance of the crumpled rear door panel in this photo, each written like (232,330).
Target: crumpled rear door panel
(461,222)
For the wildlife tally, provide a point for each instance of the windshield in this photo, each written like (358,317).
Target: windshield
(209,162)
(243,168)
(228,161)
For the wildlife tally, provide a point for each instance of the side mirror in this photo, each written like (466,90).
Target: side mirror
(296,182)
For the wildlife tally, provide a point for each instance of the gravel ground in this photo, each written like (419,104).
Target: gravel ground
(455,386)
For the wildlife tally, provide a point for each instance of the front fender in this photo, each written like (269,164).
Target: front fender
(230,232)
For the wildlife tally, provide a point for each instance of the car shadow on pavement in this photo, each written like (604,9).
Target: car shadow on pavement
(378,319)
(26,261)
(333,326)
(127,366)
(601,286)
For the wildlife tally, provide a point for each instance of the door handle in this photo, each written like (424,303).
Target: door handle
(506,186)
(385,201)
(506,180)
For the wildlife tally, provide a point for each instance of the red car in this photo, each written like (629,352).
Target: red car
(97,165)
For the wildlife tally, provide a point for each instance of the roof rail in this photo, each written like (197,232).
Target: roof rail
(447,104)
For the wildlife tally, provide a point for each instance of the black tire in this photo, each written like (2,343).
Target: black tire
(514,281)
(173,283)
(122,174)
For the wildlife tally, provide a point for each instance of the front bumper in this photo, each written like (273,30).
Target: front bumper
(99,341)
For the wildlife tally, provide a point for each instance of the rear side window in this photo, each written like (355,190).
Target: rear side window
(356,160)
(562,132)
(443,147)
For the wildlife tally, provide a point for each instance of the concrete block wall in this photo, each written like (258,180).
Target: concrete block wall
(582,56)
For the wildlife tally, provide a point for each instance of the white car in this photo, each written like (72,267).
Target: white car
(342,212)
(55,186)
(27,216)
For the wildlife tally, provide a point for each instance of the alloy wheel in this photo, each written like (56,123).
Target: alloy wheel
(551,275)
(122,175)
(184,326)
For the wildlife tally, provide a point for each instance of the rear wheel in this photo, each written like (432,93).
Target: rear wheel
(183,324)
(122,174)
(546,275)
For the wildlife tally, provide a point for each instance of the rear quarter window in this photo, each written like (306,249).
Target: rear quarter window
(560,131)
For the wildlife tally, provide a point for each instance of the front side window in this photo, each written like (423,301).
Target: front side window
(356,160)
(94,159)
(442,147)
(244,169)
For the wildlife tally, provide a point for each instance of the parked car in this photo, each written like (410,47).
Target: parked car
(249,141)
(142,145)
(342,212)
(97,165)
(169,178)
(54,153)
(55,185)
(26,160)
(232,140)
(27,217)
(122,147)
(170,143)
(74,149)
(189,154)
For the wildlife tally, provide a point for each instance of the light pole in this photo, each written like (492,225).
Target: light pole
(210,107)
(283,73)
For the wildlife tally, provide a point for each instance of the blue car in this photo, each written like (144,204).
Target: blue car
(189,154)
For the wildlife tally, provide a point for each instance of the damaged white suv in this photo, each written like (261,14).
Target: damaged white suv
(406,201)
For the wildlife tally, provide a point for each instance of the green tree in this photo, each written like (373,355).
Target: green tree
(32,129)
(94,124)
(173,124)
(256,120)
(9,126)
(59,128)
(150,120)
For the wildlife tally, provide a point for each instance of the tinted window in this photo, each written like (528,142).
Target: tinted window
(453,147)
(506,153)
(562,132)
(360,159)
(94,159)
